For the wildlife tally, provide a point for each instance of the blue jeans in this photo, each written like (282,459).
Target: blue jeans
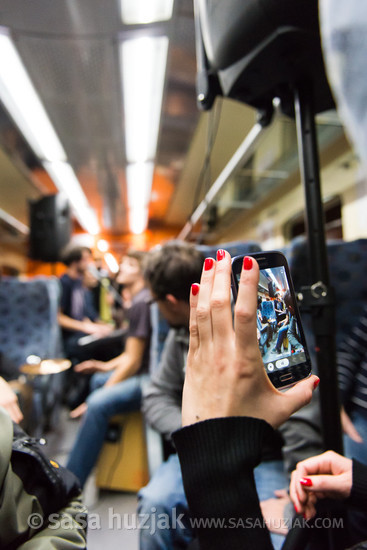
(282,333)
(165,495)
(352,449)
(103,403)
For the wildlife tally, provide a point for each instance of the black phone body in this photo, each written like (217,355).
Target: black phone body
(279,330)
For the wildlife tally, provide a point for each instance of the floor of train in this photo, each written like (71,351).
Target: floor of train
(108,510)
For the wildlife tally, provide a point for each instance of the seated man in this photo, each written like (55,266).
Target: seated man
(116,386)
(170,273)
(75,316)
(77,319)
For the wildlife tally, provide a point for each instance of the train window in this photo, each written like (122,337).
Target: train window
(333,222)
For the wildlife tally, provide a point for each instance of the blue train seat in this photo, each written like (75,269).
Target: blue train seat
(29,326)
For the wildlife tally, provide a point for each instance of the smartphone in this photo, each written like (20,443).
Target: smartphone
(279,330)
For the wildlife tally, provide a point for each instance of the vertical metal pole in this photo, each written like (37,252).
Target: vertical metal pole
(323,313)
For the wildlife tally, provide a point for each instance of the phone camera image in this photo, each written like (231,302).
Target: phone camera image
(279,333)
(276,322)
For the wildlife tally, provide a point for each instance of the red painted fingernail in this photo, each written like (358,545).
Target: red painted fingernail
(306,482)
(296,509)
(316,383)
(220,255)
(194,289)
(208,264)
(247,263)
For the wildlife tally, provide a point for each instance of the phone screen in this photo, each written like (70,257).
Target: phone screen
(280,336)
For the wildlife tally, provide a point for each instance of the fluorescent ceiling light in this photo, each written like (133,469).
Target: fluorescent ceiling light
(139,184)
(143,72)
(66,181)
(135,12)
(103,245)
(138,220)
(111,262)
(21,100)
(24,105)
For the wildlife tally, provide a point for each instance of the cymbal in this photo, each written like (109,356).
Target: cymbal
(47,366)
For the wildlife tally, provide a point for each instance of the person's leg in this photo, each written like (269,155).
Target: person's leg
(270,477)
(160,506)
(102,404)
(352,449)
(281,335)
(98,380)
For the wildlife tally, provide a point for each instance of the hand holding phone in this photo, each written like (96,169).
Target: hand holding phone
(279,331)
(225,375)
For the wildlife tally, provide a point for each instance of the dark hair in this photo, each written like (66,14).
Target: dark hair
(72,255)
(173,268)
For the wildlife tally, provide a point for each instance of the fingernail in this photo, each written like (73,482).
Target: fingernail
(247,263)
(296,509)
(194,289)
(316,383)
(220,255)
(208,264)
(306,482)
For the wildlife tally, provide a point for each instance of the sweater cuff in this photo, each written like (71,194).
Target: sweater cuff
(238,438)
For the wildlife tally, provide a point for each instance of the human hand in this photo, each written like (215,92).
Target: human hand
(95,328)
(273,511)
(225,375)
(348,427)
(328,475)
(9,401)
(90,366)
(104,328)
(78,411)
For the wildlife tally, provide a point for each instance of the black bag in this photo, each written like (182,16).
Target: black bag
(52,484)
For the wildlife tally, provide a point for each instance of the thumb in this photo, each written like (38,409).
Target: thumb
(301,394)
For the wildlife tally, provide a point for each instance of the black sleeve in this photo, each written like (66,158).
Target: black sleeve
(217,460)
(358,493)
(356,505)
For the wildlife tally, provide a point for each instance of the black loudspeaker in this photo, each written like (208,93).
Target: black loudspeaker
(272,289)
(50,227)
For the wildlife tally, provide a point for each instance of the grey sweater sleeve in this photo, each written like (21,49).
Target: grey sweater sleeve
(162,397)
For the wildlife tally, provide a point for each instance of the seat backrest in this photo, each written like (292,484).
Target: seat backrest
(235,248)
(347,266)
(28,318)
(268,310)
